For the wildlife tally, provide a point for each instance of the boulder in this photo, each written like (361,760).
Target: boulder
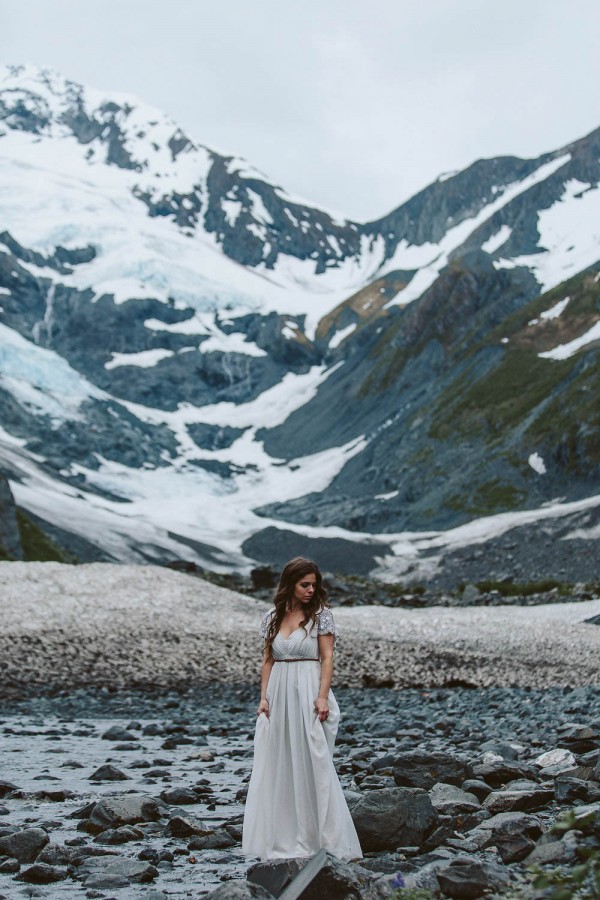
(185,826)
(559,757)
(336,880)
(393,817)
(136,871)
(218,839)
(450,800)
(119,835)
(467,877)
(179,796)
(7,787)
(502,771)
(24,845)
(419,768)
(517,800)
(126,809)
(42,873)
(578,738)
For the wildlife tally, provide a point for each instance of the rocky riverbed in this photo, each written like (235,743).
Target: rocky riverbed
(127,717)
(128,794)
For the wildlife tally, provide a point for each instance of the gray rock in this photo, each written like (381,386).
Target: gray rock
(450,800)
(393,817)
(8,866)
(56,855)
(185,826)
(240,890)
(7,787)
(499,773)
(415,768)
(216,840)
(106,882)
(337,880)
(511,800)
(24,845)
(466,877)
(134,870)
(121,835)
(108,773)
(127,809)
(179,796)
(42,873)
(117,733)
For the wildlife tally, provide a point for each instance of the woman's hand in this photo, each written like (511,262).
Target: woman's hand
(263,707)
(322,708)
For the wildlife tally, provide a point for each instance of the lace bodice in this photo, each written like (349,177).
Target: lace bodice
(325,623)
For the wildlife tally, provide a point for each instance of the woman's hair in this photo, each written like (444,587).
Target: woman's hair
(293,572)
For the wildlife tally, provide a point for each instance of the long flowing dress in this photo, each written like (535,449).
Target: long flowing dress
(295,804)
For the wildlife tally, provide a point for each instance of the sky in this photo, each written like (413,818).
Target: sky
(354,105)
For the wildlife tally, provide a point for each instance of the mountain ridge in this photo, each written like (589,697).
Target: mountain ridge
(180,337)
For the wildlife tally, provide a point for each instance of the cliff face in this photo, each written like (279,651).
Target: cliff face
(10,539)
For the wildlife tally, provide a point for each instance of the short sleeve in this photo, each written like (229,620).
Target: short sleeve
(326,624)
(264,623)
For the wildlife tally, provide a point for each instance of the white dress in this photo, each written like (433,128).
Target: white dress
(295,804)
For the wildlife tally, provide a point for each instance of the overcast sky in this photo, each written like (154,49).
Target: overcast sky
(352,104)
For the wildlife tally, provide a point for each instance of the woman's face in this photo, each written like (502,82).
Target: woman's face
(305,588)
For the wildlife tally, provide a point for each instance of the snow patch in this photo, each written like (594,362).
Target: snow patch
(497,240)
(537,463)
(341,335)
(564,351)
(145,359)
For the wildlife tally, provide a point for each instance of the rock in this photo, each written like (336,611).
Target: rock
(10,537)
(274,875)
(105,882)
(117,734)
(509,800)
(215,840)
(337,880)
(56,855)
(134,870)
(578,738)
(119,835)
(450,800)
(393,817)
(558,757)
(569,790)
(236,890)
(185,826)
(477,787)
(466,877)
(470,595)
(514,836)
(499,773)
(548,850)
(416,768)
(8,866)
(7,787)
(24,845)
(42,873)
(108,773)
(126,809)
(179,796)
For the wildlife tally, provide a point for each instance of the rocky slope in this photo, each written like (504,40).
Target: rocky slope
(195,364)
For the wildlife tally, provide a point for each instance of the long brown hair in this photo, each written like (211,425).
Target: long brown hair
(293,572)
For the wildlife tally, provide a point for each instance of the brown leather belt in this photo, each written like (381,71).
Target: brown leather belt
(300,659)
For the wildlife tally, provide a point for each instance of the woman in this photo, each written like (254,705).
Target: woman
(295,804)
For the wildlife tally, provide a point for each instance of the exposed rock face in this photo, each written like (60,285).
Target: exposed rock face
(10,539)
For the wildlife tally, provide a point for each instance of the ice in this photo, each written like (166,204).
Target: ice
(564,351)
(41,379)
(537,463)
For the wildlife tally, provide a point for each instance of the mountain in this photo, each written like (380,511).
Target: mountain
(194,363)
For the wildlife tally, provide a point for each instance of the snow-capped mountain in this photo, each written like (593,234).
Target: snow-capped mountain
(190,357)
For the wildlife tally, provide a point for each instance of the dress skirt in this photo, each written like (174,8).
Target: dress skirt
(295,804)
